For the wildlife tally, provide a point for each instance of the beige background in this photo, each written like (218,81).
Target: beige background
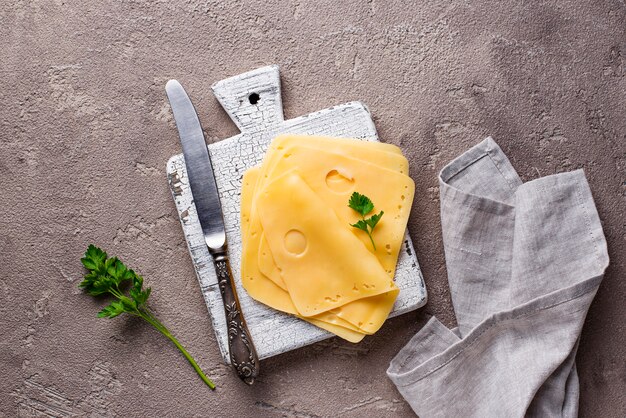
(86,132)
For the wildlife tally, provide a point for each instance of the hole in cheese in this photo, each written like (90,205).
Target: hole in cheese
(338,183)
(295,242)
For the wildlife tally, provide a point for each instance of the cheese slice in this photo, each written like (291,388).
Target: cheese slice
(376,308)
(323,264)
(345,333)
(335,143)
(266,263)
(248,183)
(365,314)
(264,290)
(252,230)
(334,177)
(386,155)
(368,314)
(255,283)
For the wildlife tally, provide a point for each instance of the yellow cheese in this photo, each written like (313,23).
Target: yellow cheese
(322,263)
(385,155)
(264,290)
(248,183)
(346,334)
(266,263)
(368,314)
(257,285)
(334,177)
(252,231)
(322,163)
(331,143)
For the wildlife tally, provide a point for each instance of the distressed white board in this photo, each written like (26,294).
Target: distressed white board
(273,332)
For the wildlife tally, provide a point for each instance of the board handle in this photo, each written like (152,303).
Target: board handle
(243,356)
(253,99)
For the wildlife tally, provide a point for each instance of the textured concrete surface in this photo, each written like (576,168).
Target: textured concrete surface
(86,132)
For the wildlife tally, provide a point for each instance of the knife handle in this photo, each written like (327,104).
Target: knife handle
(243,356)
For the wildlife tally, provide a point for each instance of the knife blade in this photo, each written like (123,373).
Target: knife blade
(203,187)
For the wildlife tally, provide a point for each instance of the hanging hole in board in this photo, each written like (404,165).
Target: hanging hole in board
(254,98)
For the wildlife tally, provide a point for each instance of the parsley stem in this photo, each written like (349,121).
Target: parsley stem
(369,233)
(107,275)
(148,317)
(371,240)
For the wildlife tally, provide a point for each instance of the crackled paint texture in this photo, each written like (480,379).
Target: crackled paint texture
(86,132)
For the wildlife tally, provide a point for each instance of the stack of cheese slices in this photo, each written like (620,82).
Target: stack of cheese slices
(300,253)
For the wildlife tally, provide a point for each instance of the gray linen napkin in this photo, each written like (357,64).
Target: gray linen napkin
(524,262)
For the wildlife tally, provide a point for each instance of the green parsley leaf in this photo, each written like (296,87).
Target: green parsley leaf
(111,311)
(109,275)
(363,205)
(362,225)
(373,220)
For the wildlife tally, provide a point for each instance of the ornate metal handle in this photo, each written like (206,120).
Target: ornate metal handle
(243,356)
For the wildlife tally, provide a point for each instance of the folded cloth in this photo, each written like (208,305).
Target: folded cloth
(524,262)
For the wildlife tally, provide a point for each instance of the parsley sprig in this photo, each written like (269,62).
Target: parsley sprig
(110,275)
(363,205)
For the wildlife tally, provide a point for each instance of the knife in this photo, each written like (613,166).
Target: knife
(243,355)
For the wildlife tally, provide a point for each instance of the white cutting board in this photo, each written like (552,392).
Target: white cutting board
(273,332)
